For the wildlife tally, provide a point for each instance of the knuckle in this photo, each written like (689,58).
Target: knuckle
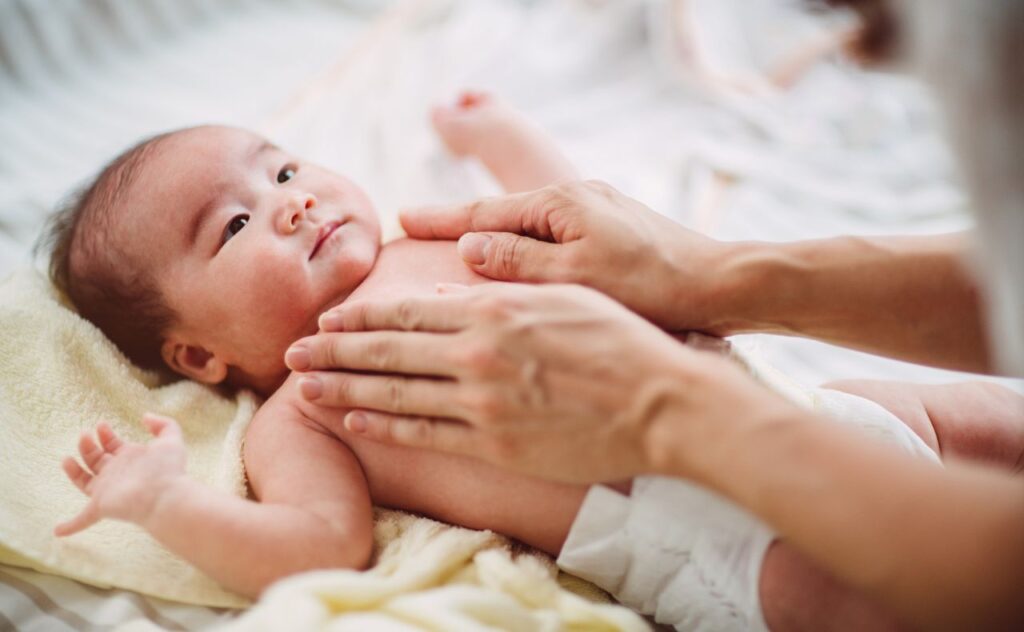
(494,308)
(340,388)
(394,393)
(421,431)
(332,351)
(380,353)
(409,431)
(408,315)
(509,252)
(477,209)
(479,358)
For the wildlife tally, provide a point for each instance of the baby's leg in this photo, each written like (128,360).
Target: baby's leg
(796,595)
(970,420)
(517,152)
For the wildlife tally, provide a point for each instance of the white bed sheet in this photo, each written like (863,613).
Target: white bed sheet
(845,151)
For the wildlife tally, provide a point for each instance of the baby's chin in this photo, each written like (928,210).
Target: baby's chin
(347,271)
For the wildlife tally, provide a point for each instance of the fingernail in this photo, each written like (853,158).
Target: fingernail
(355,422)
(311,388)
(331,322)
(473,247)
(298,359)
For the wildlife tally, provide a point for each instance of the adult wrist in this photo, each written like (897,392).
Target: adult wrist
(746,289)
(713,410)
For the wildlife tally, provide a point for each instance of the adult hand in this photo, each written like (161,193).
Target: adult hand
(557,381)
(586,233)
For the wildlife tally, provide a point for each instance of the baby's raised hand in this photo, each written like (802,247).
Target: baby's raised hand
(124,480)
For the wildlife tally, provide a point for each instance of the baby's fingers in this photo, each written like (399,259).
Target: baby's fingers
(162,427)
(77,474)
(85,519)
(93,455)
(110,442)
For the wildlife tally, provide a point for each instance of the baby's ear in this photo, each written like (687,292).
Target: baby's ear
(193,362)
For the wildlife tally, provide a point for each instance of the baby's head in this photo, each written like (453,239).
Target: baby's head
(209,250)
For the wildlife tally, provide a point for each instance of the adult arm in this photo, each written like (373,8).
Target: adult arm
(911,298)
(562,382)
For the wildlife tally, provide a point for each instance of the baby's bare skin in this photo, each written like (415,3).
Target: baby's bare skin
(449,488)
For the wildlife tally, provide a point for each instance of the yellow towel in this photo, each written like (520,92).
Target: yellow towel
(431,576)
(58,376)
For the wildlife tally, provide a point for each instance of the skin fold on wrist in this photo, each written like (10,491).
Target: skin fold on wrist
(721,291)
(166,499)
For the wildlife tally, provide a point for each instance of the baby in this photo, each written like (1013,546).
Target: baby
(209,251)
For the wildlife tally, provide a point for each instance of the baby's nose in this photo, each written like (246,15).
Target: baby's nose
(295,210)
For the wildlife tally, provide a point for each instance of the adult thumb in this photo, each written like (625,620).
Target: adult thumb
(509,257)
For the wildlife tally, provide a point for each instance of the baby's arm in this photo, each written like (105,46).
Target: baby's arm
(314,509)
(517,152)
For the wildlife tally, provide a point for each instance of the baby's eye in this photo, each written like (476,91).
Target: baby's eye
(285,174)
(236,224)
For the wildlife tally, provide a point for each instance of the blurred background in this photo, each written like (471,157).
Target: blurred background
(735,117)
(738,118)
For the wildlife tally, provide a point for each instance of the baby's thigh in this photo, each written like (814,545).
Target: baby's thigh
(797,595)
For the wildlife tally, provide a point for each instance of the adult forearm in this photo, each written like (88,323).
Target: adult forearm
(944,547)
(245,545)
(911,298)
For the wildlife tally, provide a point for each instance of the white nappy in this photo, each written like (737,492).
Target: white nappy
(687,555)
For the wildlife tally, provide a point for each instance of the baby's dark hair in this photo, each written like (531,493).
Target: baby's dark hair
(120,297)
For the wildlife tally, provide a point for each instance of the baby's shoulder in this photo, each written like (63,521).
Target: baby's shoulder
(281,416)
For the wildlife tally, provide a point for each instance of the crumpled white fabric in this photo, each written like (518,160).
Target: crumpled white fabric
(688,556)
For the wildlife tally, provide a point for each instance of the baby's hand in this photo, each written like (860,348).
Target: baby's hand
(124,481)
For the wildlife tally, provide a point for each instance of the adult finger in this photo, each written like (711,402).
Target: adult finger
(92,454)
(520,213)
(77,474)
(85,519)
(510,257)
(411,353)
(388,393)
(444,435)
(445,313)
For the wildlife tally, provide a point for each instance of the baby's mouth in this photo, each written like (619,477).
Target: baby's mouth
(325,231)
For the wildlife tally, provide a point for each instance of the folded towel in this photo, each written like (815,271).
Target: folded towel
(59,376)
(431,576)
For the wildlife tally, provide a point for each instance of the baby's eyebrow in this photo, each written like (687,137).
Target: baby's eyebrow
(202,216)
(259,148)
(200,219)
